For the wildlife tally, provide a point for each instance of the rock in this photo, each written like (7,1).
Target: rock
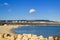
(9,36)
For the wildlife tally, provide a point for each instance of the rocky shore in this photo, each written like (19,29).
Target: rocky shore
(25,37)
(7,34)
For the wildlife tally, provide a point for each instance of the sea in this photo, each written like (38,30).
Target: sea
(45,31)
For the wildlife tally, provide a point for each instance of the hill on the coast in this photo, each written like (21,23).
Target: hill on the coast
(26,20)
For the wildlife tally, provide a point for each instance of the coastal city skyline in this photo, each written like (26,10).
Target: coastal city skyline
(30,10)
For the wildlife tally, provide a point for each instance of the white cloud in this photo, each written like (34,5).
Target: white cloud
(5,4)
(32,10)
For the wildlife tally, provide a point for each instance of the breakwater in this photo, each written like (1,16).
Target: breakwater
(26,37)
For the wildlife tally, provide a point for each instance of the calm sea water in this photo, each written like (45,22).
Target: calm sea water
(39,30)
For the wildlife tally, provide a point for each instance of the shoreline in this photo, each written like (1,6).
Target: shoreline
(7,29)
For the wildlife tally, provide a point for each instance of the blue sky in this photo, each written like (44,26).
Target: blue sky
(19,10)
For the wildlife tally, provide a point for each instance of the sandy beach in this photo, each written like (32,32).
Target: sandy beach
(7,28)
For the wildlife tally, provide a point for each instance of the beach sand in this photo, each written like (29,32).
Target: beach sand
(7,28)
